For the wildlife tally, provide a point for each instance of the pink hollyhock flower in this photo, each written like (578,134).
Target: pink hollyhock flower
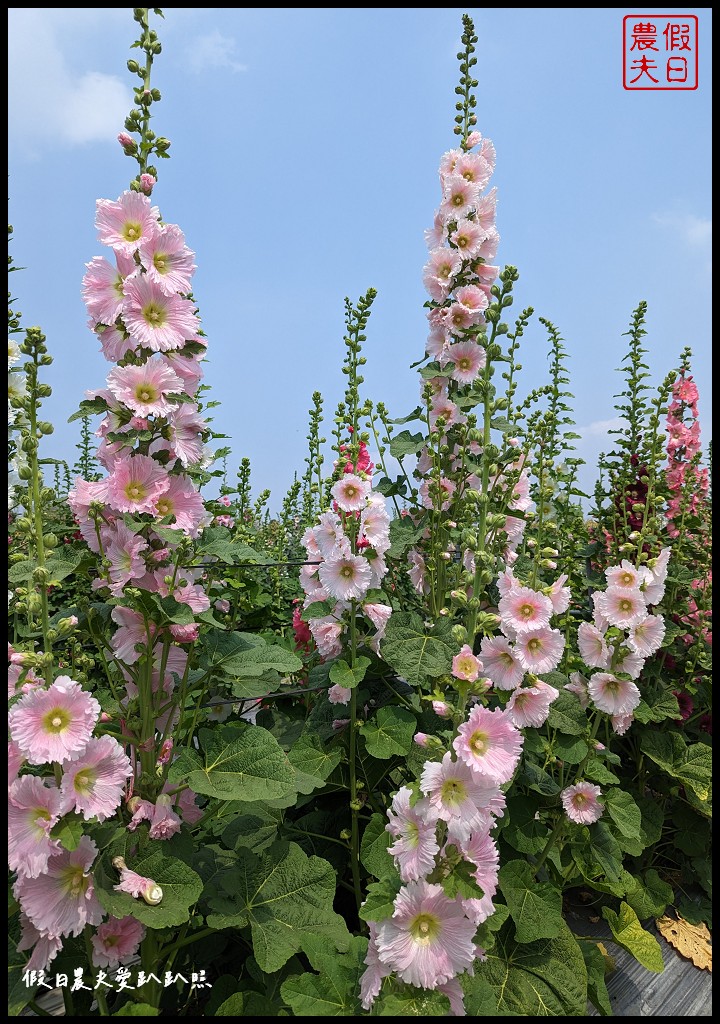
(468,360)
(439,271)
(442,407)
(123,549)
(459,197)
(223,606)
(416,572)
(187,368)
(612,695)
(310,544)
(189,810)
(62,901)
(186,429)
(185,503)
(45,947)
(144,389)
(622,606)
(375,525)
(155,320)
(33,809)
(489,743)
(114,344)
(339,694)
(167,260)
(437,494)
(647,635)
(103,285)
(137,886)
(428,940)
(329,535)
(372,978)
(475,169)
(485,210)
(592,647)
(522,609)
(473,139)
(415,844)
(581,803)
(147,183)
(540,650)
(185,634)
(54,724)
(185,592)
(624,576)
(351,492)
(345,577)
(506,582)
(654,589)
(530,707)
(458,795)
(131,634)
(559,594)
(468,238)
(142,810)
(621,723)
(124,224)
(458,318)
(471,297)
(482,851)
(578,686)
(136,483)
(16,759)
(378,614)
(116,941)
(95,781)
(84,494)
(465,665)
(447,163)
(165,822)
(326,633)
(489,245)
(454,991)
(500,663)
(631,664)
(441,709)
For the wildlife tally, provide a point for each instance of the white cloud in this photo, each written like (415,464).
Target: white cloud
(214,50)
(695,232)
(49,100)
(600,428)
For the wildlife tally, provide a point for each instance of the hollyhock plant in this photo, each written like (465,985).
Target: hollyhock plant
(500,663)
(457,794)
(465,665)
(530,706)
(116,941)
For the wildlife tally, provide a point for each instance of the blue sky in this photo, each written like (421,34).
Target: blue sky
(305,147)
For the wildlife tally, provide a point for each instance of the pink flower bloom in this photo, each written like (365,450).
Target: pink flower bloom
(621,723)
(95,781)
(54,724)
(116,941)
(458,795)
(351,492)
(131,634)
(167,260)
(500,663)
(468,238)
(578,686)
(114,344)
(144,389)
(421,738)
(531,706)
(612,695)
(416,572)
(345,577)
(137,886)
(489,743)
(62,901)
(182,501)
(454,991)
(592,647)
(185,634)
(136,483)
(16,759)
(437,495)
(439,271)
(45,947)
(624,576)
(447,163)
(441,709)
(103,285)
(165,822)
(155,320)
(189,810)
(647,635)
(475,169)
(142,810)
(458,198)
(581,803)
(428,940)
(84,494)
(482,851)
(123,549)
(631,664)
(375,525)
(147,183)
(415,844)
(378,614)
(465,665)
(186,429)
(468,360)
(339,694)
(372,978)
(622,606)
(473,139)
(33,809)
(441,406)
(540,650)
(522,609)
(124,224)
(458,318)
(187,368)
(471,297)
(559,594)
(326,633)
(329,535)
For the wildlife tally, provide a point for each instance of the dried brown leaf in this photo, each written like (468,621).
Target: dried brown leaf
(693,941)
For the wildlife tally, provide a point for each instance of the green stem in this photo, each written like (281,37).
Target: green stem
(554,836)
(354,804)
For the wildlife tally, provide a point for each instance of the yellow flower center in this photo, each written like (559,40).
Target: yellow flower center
(154,315)
(458,200)
(625,605)
(507,659)
(165,506)
(347,572)
(424,928)
(626,579)
(160,262)
(534,645)
(75,880)
(526,610)
(146,393)
(479,742)
(453,792)
(461,241)
(350,490)
(412,833)
(56,720)
(135,491)
(84,781)
(463,363)
(132,230)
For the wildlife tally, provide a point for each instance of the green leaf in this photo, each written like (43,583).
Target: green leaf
(254,829)
(630,934)
(374,848)
(690,765)
(58,568)
(232,1007)
(624,812)
(415,654)
(220,647)
(317,610)
(523,831)
(405,443)
(180,885)
(480,999)
(502,424)
(416,1002)
(333,992)
(461,882)
(285,897)
(690,833)
(657,706)
(649,897)
(137,1010)
(390,732)
(546,978)
(312,762)
(537,778)
(571,749)
(535,907)
(348,676)
(566,713)
(252,766)
(597,771)
(595,964)
(403,534)
(261,658)
(380,900)
(69,831)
